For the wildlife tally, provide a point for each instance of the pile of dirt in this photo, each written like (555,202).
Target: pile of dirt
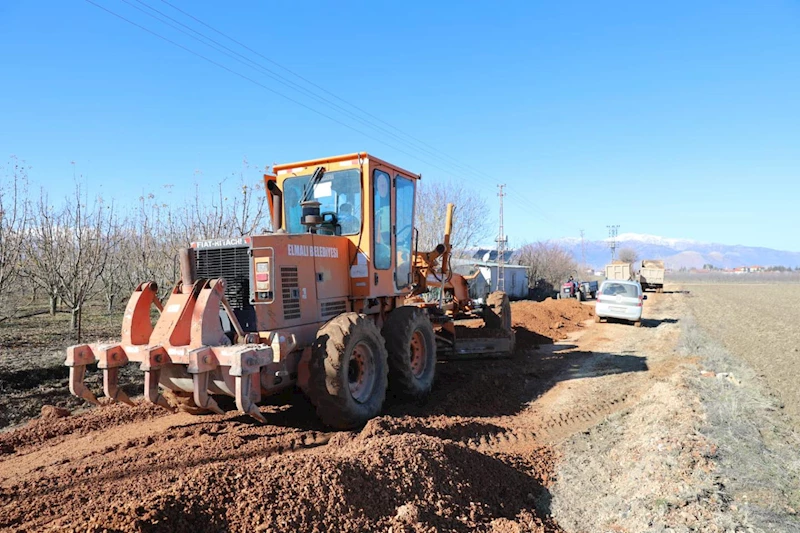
(211,476)
(548,321)
(56,422)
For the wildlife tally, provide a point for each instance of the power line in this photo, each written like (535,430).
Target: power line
(438,152)
(219,47)
(255,82)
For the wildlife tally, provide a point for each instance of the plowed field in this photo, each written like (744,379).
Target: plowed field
(761,325)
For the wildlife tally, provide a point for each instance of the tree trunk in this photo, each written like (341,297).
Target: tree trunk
(73,319)
(110,302)
(53,304)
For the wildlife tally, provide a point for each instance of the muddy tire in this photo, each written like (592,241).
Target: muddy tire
(499,303)
(411,346)
(638,323)
(579,296)
(597,319)
(348,371)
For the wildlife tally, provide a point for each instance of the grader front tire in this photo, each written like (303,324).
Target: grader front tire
(411,345)
(348,371)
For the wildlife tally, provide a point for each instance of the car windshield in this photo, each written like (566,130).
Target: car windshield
(339,193)
(620,289)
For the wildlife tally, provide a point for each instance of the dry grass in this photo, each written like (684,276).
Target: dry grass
(759,447)
(758,324)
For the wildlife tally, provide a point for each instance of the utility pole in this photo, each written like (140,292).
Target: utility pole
(583,251)
(501,246)
(612,234)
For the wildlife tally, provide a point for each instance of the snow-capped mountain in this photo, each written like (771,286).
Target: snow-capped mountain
(681,253)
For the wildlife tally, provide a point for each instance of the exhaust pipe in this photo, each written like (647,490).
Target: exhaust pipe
(188,272)
(277,206)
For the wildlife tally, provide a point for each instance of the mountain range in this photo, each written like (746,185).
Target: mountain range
(680,253)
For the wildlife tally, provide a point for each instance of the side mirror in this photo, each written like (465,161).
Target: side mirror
(644,297)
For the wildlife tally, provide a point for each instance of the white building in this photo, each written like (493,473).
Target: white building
(516,276)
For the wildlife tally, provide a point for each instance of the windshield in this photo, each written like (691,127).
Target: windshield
(628,290)
(339,193)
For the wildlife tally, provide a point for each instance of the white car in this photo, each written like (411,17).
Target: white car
(620,299)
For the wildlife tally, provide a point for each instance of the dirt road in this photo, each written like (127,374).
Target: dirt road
(500,446)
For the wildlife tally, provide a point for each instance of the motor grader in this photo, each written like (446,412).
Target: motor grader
(337,300)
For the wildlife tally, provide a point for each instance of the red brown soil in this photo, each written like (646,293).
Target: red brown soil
(548,321)
(444,465)
(535,323)
(220,473)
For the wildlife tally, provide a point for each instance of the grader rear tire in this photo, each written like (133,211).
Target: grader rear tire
(348,371)
(411,346)
(498,301)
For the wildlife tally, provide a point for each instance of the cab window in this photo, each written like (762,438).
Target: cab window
(404,228)
(339,193)
(382,214)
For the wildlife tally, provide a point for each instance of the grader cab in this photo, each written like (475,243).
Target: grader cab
(336,300)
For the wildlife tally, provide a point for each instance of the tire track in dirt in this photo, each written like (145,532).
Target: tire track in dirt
(549,430)
(585,395)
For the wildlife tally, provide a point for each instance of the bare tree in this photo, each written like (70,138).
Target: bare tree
(548,261)
(87,241)
(13,219)
(628,255)
(234,210)
(43,255)
(113,277)
(472,220)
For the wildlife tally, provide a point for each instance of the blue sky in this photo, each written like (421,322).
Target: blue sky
(680,119)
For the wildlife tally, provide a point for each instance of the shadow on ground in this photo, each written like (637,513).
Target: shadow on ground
(500,387)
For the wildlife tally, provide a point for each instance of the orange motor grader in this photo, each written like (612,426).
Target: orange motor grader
(336,300)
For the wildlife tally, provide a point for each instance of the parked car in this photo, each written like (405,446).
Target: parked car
(620,299)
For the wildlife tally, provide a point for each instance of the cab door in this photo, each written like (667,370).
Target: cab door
(403,230)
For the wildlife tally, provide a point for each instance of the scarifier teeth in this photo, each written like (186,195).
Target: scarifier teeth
(255,413)
(151,379)
(201,397)
(111,386)
(212,406)
(77,387)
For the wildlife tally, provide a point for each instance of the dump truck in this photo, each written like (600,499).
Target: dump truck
(651,275)
(337,300)
(619,270)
